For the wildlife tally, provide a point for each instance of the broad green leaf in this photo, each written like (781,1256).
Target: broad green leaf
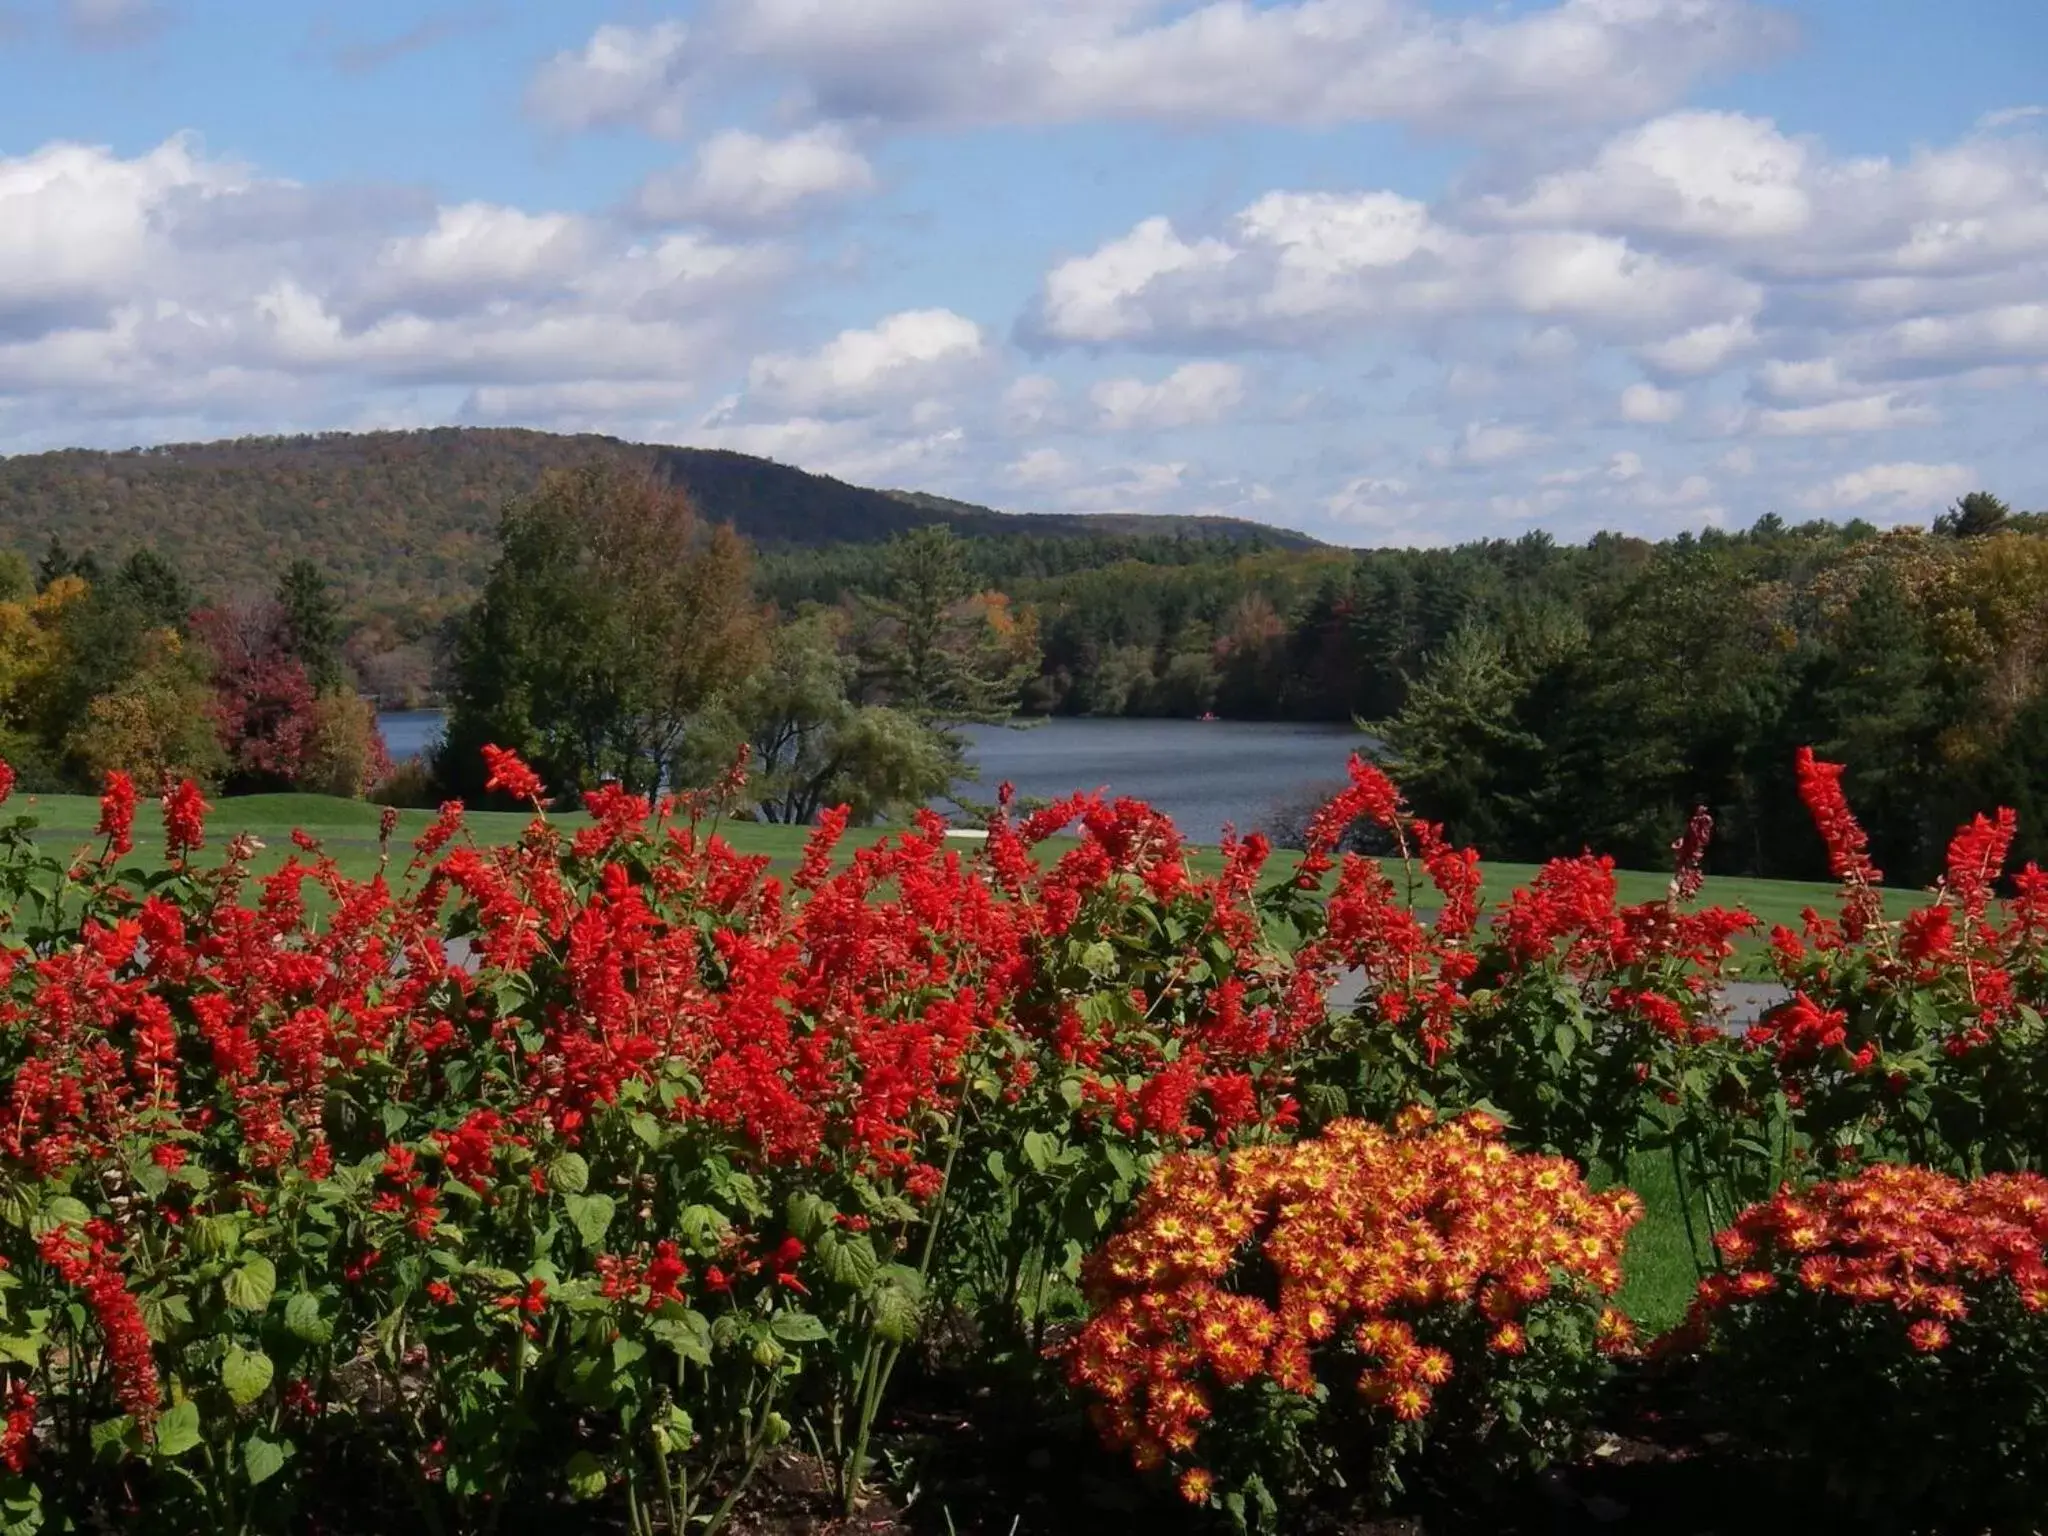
(63,1211)
(648,1129)
(262,1458)
(591,1216)
(797,1327)
(809,1215)
(569,1174)
(895,1312)
(586,1477)
(177,1429)
(1039,1150)
(850,1262)
(687,1333)
(246,1373)
(162,1314)
(302,1317)
(250,1284)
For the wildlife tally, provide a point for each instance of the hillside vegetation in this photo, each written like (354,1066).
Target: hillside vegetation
(408,519)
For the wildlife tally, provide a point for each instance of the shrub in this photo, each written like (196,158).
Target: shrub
(409,786)
(1891,1331)
(1353,1308)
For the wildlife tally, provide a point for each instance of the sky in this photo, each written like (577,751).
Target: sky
(1383,271)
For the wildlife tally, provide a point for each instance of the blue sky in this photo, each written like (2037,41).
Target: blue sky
(1383,270)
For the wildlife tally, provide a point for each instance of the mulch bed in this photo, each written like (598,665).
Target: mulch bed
(965,1462)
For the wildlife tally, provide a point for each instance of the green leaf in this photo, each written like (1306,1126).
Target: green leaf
(1567,1040)
(850,1262)
(796,1327)
(1039,1150)
(250,1285)
(246,1373)
(1121,1162)
(302,1317)
(23,1348)
(569,1174)
(810,1216)
(586,1477)
(22,1514)
(261,1458)
(211,1236)
(177,1429)
(703,1228)
(163,1314)
(648,1129)
(896,1313)
(591,1216)
(687,1333)
(112,1439)
(63,1211)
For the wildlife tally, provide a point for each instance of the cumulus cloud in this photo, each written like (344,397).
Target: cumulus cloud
(1309,61)
(481,253)
(1487,442)
(742,180)
(1294,266)
(1861,413)
(1903,488)
(914,351)
(623,77)
(173,286)
(1193,394)
(1649,405)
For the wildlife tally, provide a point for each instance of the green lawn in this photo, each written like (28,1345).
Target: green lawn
(348,828)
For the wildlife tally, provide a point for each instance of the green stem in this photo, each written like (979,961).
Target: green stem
(1692,1242)
(871,1397)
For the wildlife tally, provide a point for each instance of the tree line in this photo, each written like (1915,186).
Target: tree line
(107,668)
(1536,697)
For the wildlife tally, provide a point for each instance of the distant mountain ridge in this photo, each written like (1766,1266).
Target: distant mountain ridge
(409,518)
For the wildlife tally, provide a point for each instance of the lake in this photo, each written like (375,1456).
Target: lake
(1201,773)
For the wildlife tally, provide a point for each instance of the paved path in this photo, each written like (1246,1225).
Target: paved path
(1746,1000)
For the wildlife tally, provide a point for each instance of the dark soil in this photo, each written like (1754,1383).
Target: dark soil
(962,1462)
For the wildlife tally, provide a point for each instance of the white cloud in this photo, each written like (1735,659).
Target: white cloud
(1818,378)
(1033,403)
(1487,442)
(1702,349)
(1862,413)
(742,180)
(1646,403)
(635,77)
(1193,394)
(171,286)
(1098,297)
(1310,61)
(907,352)
(1718,174)
(1297,265)
(480,251)
(1039,467)
(79,225)
(1897,488)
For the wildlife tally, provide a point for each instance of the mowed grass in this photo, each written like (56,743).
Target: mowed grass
(348,830)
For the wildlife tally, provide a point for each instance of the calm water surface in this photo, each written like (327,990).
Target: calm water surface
(1201,774)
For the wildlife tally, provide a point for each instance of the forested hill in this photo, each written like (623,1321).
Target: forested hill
(409,518)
